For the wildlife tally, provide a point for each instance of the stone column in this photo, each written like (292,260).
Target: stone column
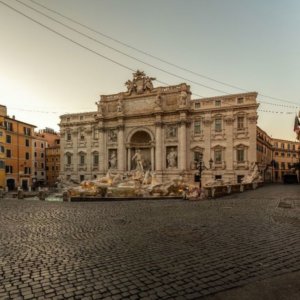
(208,152)
(158,146)
(252,120)
(152,158)
(229,155)
(229,152)
(75,154)
(121,149)
(129,159)
(88,162)
(182,145)
(102,152)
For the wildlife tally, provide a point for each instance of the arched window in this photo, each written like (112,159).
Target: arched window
(95,158)
(81,158)
(68,156)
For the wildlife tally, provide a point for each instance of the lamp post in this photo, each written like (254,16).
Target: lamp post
(200,172)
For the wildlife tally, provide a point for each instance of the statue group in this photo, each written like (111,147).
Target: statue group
(140,83)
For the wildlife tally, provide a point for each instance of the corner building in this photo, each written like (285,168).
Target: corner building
(171,133)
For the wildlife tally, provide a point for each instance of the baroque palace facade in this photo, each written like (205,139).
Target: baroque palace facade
(161,130)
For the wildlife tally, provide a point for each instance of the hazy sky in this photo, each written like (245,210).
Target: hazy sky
(253,45)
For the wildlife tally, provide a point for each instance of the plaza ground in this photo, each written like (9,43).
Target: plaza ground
(234,247)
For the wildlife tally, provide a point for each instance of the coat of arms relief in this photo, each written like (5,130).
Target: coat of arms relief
(139,84)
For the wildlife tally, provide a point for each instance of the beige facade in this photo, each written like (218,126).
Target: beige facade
(265,162)
(286,154)
(161,130)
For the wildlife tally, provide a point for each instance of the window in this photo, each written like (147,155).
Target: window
(283,166)
(288,146)
(27,143)
(35,154)
(197,105)
(2,164)
(42,165)
(42,155)
(27,155)
(240,123)
(294,147)
(282,154)
(27,131)
(8,139)
(81,159)
(240,100)
(197,127)
(95,159)
(42,145)
(217,102)
(68,136)
(81,178)
(81,117)
(282,145)
(198,156)
(218,124)
(1,133)
(218,156)
(69,159)
(2,149)
(8,126)
(240,155)
(35,164)
(288,154)
(8,169)
(218,177)
(8,153)
(81,136)
(68,119)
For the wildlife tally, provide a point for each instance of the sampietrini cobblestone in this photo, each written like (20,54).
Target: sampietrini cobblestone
(146,249)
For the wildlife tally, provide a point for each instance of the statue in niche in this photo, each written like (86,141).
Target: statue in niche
(171,131)
(138,158)
(112,136)
(113,160)
(172,158)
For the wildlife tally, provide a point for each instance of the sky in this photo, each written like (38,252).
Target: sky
(251,45)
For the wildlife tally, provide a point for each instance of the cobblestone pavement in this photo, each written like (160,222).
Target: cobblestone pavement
(147,249)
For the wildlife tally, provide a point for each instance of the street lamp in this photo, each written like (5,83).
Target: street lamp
(200,168)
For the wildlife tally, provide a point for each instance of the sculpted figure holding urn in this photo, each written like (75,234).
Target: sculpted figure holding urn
(172,158)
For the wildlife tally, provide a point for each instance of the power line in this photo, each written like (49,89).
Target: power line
(156,57)
(281,105)
(93,51)
(58,33)
(121,52)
